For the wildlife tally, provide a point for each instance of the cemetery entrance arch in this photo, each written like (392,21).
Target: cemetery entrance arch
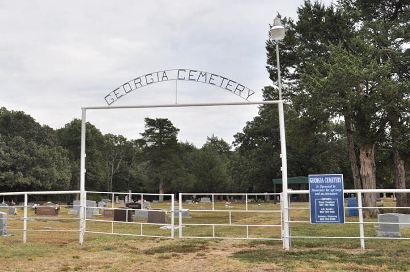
(188,75)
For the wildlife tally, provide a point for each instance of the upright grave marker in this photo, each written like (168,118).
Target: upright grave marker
(326,199)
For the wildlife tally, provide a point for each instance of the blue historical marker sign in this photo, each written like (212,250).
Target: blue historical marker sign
(326,199)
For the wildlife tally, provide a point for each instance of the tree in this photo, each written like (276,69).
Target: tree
(69,137)
(312,148)
(27,165)
(115,150)
(30,159)
(343,66)
(160,147)
(210,171)
(386,24)
(217,144)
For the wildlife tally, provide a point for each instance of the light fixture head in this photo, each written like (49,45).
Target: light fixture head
(277,31)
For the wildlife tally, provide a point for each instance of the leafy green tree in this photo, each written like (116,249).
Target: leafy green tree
(339,74)
(385,25)
(69,137)
(27,165)
(210,171)
(115,149)
(160,147)
(218,145)
(312,148)
(29,156)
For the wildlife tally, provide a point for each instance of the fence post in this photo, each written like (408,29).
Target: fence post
(172,216)
(112,209)
(25,219)
(361,225)
(246,201)
(180,215)
(82,175)
(213,202)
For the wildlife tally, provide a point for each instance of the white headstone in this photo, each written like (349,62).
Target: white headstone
(205,199)
(184,212)
(404,219)
(90,211)
(12,210)
(3,223)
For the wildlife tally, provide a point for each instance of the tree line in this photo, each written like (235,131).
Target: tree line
(35,157)
(346,80)
(350,62)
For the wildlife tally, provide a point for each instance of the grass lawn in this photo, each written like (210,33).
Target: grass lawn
(60,251)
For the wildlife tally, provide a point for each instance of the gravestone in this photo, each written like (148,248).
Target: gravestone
(205,200)
(95,210)
(123,214)
(76,206)
(133,205)
(146,205)
(108,213)
(404,220)
(46,210)
(3,223)
(156,216)
(184,213)
(12,210)
(388,225)
(141,215)
(91,208)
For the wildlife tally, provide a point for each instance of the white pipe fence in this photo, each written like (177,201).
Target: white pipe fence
(361,221)
(228,210)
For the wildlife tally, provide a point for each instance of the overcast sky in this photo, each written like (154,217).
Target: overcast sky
(56,57)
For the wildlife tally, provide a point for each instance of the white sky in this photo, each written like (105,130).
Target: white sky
(56,57)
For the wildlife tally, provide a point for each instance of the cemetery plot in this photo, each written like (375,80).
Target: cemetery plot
(133,214)
(231,216)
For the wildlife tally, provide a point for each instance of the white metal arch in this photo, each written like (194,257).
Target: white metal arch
(284,198)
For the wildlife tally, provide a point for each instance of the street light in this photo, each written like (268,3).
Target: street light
(276,34)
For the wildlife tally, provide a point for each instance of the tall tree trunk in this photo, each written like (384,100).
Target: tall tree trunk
(352,153)
(111,178)
(399,179)
(161,191)
(398,162)
(368,177)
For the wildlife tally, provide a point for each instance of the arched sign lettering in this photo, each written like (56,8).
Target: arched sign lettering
(179,74)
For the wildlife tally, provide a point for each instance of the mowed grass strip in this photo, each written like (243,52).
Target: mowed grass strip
(190,246)
(331,258)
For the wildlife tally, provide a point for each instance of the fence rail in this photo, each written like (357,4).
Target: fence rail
(253,216)
(362,237)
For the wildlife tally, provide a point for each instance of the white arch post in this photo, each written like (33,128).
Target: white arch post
(285,210)
(82,176)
